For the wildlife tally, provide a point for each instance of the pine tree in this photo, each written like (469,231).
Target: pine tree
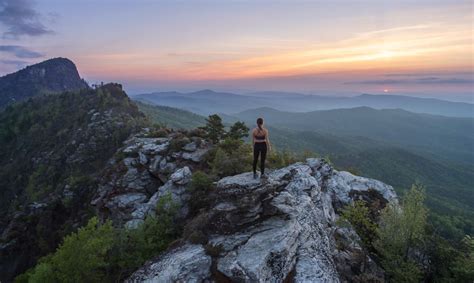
(401,233)
(214,128)
(238,131)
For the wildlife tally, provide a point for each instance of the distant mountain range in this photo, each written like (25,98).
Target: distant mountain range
(207,102)
(51,76)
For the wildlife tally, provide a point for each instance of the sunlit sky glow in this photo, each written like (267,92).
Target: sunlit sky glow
(334,47)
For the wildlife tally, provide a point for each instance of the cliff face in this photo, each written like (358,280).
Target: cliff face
(51,76)
(146,169)
(281,229)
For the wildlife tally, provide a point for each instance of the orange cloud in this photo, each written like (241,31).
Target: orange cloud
(401,48)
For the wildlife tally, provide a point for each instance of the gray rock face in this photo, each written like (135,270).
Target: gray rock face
(181,176)
(133,185)
(342,183)
(279,229)
(185,264)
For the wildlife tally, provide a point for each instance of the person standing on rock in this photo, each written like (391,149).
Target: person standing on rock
(260,144)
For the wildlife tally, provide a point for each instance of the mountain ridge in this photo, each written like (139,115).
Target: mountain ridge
(209,101)
(55,75)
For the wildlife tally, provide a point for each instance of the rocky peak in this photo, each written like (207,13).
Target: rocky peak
(279,229)
(51,76)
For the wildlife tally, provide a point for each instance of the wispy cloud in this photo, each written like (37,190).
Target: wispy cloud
(20,18)
(17,63)
(397,48)
(19,51)
(452,73)
(427,80)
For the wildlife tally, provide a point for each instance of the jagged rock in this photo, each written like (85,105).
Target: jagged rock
(143,159)
(280,229)
(150,171)
(185,264)
(126,200)
(181,176)
(167,167)
(195,156)
(192,146)
(343,183)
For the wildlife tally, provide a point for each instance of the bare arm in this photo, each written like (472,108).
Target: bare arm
(253,137)
(267,140)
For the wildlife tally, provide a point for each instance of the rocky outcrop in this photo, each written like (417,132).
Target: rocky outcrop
(279,229)
(51,76)
(145,170)
(193,266)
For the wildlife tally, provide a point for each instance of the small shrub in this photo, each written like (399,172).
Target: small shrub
(214,251)
(197,237)
(358,215)
(158,132)
(278,159)
(198,132)
(201,181)
(233,157)
(177,143)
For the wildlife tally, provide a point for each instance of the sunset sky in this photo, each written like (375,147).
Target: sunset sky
(336,47)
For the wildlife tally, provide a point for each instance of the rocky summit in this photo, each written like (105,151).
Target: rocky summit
(51,76)
(281,228)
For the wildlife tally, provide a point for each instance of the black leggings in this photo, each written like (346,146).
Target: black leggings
(259,148)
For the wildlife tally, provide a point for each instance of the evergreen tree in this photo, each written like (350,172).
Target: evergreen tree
(238,131)
(357,214)
(401,233)
(214,128)
(464,265)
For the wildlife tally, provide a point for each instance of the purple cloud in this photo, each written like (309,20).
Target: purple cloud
(19,51)
(21,19)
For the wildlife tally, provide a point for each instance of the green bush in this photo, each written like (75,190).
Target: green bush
(357,214)
(201,184)
(98,253)
(401,233)
(82,257)
(177,143)
(135,246)
(463,267)
(231,160)
(201,181)
(278,159)
(158,131)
